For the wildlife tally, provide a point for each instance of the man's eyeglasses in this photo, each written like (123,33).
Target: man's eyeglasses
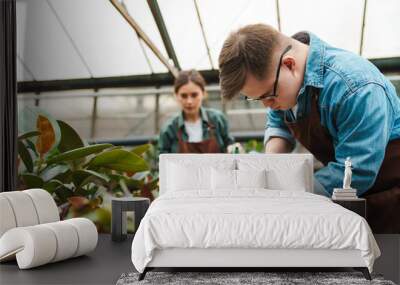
(265,96)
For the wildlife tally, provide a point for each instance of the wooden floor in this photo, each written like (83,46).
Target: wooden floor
(110,259)
(102,266)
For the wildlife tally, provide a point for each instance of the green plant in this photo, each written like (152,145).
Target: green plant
(78,175)
(254,146)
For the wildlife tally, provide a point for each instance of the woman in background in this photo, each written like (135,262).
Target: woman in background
(195,129)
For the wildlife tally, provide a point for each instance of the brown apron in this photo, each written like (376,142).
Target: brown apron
(206,146)
(383,199)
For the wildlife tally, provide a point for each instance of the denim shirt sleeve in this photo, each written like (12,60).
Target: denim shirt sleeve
(363,121)
(276,127)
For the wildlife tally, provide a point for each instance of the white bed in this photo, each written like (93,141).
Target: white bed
(215,224)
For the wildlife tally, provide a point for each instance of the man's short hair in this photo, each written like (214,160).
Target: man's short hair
(247,50)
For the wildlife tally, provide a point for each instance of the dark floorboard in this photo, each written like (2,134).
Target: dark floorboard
(102,266)
(110,259)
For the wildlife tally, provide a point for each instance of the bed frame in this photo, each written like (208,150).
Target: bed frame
(246,258)
(242,259)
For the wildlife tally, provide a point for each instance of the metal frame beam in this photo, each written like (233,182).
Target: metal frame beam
(386,65)
(203,33)
(124,12)
(8,98)
(158,18)
(148,80)
(360,50)
(278,15)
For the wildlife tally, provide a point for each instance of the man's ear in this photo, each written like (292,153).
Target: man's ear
(289,62)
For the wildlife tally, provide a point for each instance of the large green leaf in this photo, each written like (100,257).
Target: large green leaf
(32,181)
(117,177)
(63,193)
(78,153)
(140,175)
(28,135)
(25,156)
(115,147)
(139,150)
(69,138)
(119,159)
(82,177)
(134,184)
(52,185)
(50,173)
(65,177)
(30,145)
(93,191)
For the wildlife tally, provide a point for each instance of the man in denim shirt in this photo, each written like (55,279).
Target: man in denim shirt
(335,103)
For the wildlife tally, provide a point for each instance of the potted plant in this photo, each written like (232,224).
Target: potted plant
(78,175)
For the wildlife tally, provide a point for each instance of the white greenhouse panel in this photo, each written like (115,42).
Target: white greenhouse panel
(336,22)
(382,24)
(222,17)
(107,42)
(156,65)
(185,32)
(140,12)
(42,44)
(100,43)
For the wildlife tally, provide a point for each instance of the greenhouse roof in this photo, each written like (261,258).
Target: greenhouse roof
(71,44)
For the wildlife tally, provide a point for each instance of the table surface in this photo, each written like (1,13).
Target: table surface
(350,199)
(130,199)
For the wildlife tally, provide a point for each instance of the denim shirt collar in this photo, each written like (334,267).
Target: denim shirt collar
(203,115)
(314,73)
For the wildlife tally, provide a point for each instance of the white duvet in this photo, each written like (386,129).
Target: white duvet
(253,218)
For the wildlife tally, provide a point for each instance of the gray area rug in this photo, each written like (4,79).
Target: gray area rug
(229,278)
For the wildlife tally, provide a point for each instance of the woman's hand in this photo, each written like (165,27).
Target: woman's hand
(235,148)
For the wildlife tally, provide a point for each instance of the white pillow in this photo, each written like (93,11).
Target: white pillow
(188,177)
(191,172)
(251,178)
(281,174)
(223,179)
(293,179)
